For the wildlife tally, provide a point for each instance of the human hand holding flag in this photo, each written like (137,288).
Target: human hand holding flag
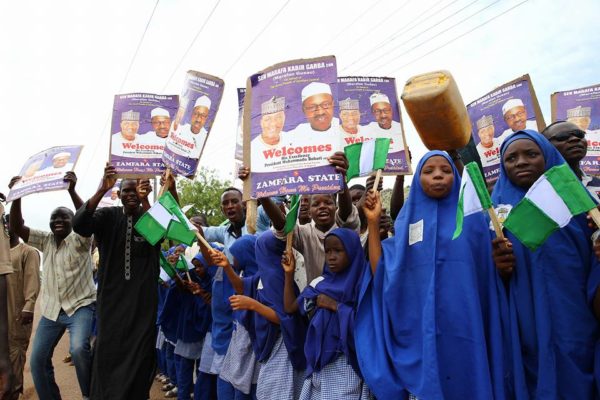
(366,157)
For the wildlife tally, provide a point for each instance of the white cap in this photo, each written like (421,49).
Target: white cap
(202,101)
(159,112)
(379,98)
(512,103)
(314,88)
(61,155)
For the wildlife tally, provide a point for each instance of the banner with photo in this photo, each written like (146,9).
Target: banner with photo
(239,137)
(582,107)
(140,125)
(369,109)
(198,106)
(291,128)
(111,197)
(45,171)
(497,115)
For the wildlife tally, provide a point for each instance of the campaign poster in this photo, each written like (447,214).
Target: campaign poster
(291,128)
(497,115)
(198,106)
(239,137)
(582,107)
(369,109)
(44,171)
(140,125)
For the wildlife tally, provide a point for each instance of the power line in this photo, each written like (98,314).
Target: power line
(139,45)
(462,35)
(359,16)
(397,33)
(255,38)
(190,46)
(434,36)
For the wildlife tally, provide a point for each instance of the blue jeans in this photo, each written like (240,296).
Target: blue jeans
(205,387)
(170,362)
(185,377)
(47,337)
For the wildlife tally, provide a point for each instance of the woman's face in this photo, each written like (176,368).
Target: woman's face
(437,177)
(524,162)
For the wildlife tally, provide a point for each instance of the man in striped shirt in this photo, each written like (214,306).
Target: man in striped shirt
(68,293)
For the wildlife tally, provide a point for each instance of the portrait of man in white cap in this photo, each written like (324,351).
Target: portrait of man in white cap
(161,122)
(188,139)
(61,162)
(488,146)
(350,117)
(155,138)
(515,116)
(317,105)
(384,125)
(130,124)
(272,121)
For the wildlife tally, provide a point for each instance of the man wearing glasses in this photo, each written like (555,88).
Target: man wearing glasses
(571,142)
(384,125)
(155,138)
(515,116)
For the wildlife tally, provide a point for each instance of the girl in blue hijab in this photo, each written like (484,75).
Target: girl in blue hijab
(428,324)
(330,302)
(278,338)
(550,321)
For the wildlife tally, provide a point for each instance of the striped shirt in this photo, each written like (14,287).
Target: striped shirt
(67,280)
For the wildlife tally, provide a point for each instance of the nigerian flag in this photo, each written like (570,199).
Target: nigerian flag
(166,266)
(366,157)
(473,197)
(166,220)
(292,215)
(548,205)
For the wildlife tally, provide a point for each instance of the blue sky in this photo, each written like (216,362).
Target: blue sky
(62,62)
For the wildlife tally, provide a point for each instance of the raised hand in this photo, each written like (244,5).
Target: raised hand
(239,302)
(72,179)
(109,179)
(219,259)
(288,262)
(372,207)
(339,161)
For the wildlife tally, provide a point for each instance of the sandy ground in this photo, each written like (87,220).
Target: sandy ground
(64,373)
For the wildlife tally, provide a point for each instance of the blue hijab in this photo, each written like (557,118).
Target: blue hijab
(267,287)
(331,334)
(550,323)
(428,322)
(243,251)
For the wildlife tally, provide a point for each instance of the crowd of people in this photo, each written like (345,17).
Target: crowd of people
(361,305)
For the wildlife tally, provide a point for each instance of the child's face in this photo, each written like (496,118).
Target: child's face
(524,162)
(437,177)
(179,250)
(335,254)
(198,267)
(172,258)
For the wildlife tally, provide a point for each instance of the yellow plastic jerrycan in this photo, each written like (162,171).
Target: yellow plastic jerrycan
(437,110)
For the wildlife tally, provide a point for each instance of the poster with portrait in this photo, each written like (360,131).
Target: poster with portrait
(44,171)
(140,125)
(369,109)
(198,106)
(291,128)
(497,115)
(582,107)
(239,137)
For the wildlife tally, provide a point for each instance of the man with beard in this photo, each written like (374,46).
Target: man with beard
(124,360)
(155,139)
(571,143)
(130,124)
(384,125)
(68,293)
(515,116)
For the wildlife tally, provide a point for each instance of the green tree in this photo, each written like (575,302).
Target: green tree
(204,194)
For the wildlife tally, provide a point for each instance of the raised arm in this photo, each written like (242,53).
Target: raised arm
(171,186)
(372,210)
(83,221)
(144,189)
(219,259)
(288,263)
(274,213)
(108,181)
(340,162)
(72,179)
(17,225)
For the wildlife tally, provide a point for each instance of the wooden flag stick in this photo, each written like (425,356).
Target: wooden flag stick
(203,241)
(595,214)
(163,188)
(377,179)
(188,275)
(289,239)
(495,222)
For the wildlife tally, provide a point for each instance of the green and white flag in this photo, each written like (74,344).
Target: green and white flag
(548,205)
(473,197)
(166,220)
(366,157)
(292,216)
(166,267)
